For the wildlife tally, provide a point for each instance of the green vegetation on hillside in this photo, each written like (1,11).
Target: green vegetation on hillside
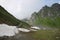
(7,18)
(47,16)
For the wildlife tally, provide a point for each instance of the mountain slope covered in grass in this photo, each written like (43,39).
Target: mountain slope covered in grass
(7,18)
(47,16)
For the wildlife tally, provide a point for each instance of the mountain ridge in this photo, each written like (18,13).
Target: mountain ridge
(7,18)
(47,16)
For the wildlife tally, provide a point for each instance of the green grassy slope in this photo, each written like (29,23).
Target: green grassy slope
(47,16)
(7,18)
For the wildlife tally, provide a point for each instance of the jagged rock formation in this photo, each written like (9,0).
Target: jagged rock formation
(47,16)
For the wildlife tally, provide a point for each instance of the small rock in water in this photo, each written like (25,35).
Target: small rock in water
(57,37)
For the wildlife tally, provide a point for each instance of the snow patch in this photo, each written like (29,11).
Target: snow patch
(6,30)
(23,30)
(37,28)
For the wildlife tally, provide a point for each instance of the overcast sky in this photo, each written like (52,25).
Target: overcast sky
(24,8)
